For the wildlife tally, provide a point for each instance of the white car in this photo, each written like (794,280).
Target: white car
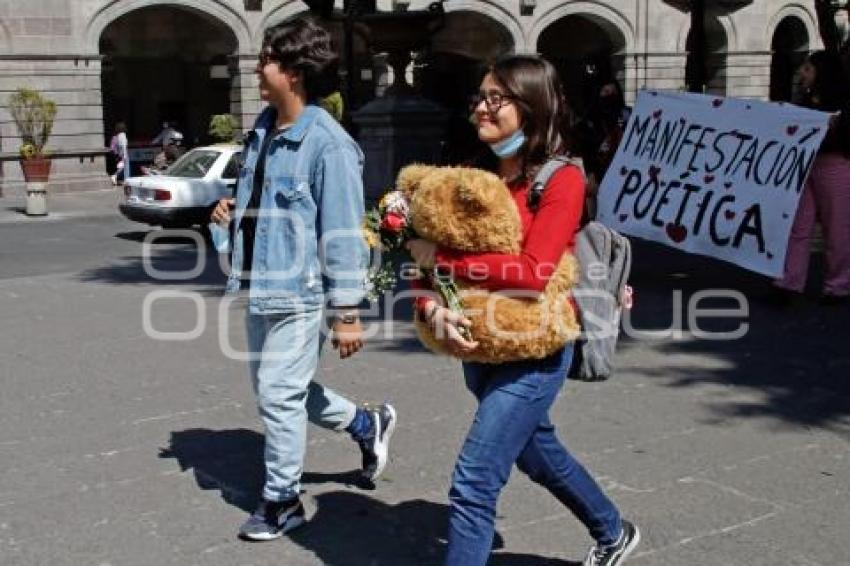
(182,196)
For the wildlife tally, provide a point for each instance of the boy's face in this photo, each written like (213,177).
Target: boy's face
(276,84)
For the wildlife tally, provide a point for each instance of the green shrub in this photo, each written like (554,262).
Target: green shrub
(223,128)
(34,116)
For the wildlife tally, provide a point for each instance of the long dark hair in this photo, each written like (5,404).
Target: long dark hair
(301,45)
(830,93)
(830,90)
(535,88)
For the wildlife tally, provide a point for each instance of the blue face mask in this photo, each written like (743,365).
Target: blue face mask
(510,146)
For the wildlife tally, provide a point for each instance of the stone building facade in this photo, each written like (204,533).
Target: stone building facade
(144,61)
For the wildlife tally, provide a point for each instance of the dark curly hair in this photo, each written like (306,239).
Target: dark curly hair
(301,45)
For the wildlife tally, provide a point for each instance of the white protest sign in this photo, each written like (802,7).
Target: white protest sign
(714,176)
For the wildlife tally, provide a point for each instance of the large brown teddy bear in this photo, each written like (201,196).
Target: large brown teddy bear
(472,210)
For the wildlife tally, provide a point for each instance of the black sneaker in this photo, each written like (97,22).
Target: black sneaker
(376,449)
(614,554)
(272,519)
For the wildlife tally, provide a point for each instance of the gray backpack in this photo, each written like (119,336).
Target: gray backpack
(605,260)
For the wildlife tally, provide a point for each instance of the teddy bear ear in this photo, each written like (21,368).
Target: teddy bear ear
(474,188)
(409,177)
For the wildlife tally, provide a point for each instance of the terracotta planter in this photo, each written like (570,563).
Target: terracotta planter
(36,173)
(36,170)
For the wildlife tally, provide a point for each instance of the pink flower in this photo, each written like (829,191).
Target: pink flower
(393,223)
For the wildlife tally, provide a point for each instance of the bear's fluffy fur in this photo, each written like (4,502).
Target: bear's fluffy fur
(472,210)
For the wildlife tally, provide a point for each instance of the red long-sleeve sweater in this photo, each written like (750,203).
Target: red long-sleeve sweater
(547,234)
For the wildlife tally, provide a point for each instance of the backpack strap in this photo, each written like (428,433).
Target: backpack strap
(545,174)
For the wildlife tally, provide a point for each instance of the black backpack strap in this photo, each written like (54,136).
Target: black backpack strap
(544,175)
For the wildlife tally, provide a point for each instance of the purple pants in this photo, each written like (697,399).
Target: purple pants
(826,197)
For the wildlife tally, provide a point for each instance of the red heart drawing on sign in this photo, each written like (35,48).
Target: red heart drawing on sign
(657,114)
(729,214)
(676,232)
(708,178)
(792,130)
(717,102)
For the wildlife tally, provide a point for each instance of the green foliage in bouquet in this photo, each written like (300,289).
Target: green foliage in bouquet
(387,229)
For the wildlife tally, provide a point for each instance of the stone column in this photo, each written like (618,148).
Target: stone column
(665,71)
(748,74)
(396,131)
(245,103)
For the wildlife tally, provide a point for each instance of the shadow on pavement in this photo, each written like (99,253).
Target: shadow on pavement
(348,528)
(352,529)
(797,358)
(174,260)
(231,461)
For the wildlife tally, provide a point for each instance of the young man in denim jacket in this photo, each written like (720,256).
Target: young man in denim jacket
(297,246)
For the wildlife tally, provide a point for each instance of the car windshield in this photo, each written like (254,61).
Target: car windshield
(194,164)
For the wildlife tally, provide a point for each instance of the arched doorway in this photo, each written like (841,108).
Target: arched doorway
(716,48)
(452,69)
(586,49)
(165,63)
(789,46)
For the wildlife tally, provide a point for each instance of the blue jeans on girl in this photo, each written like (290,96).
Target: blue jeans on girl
(512,425)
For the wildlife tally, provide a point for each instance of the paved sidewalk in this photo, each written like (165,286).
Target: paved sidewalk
(60,206)
(121,449)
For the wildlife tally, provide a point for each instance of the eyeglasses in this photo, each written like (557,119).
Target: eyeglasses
(493,100)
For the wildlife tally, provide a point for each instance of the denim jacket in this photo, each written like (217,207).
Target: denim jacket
(308,247)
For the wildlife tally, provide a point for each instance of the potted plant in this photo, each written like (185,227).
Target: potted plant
(223,128)
(34,116)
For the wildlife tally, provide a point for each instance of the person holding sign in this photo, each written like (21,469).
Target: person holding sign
(826,196)
(519,112)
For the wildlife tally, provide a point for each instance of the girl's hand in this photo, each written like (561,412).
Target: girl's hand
(424,252)
(445,324)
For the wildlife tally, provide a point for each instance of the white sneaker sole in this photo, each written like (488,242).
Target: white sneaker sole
(631,546)
(382,445)
(291,524)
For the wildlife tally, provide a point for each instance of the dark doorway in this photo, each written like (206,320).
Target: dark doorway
(165,64)
(790,45)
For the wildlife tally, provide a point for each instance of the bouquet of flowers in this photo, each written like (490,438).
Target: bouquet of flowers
(387,229)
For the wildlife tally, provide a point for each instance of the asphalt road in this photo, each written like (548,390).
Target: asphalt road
(120,449)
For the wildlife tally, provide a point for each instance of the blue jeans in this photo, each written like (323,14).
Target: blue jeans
(284,356)
(512,425)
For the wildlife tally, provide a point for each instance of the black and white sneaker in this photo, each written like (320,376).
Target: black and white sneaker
(614,554)
(272,519)
(376,449)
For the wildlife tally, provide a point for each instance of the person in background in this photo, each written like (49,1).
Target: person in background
(120,147)
(165,135)
(826,195)
(599,136)
(169,154)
